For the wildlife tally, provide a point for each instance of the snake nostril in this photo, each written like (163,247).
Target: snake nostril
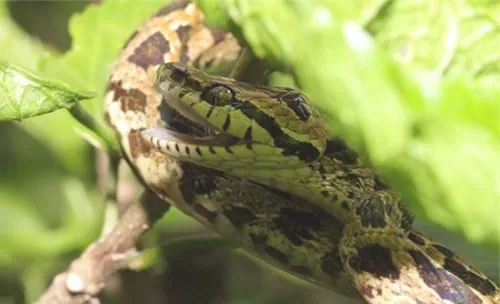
(177,75)
(298,104)
(172,72)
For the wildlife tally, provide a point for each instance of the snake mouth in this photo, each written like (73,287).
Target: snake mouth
(187,126)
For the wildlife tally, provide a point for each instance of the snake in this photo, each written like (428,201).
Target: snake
(255,164)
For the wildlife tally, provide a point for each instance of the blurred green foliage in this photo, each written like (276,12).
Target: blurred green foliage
(435,111)
(430,125)
(48,204)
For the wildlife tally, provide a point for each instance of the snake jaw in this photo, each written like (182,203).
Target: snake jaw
(160,137)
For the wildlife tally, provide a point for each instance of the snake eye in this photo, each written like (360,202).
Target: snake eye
(218,95)
(298,103)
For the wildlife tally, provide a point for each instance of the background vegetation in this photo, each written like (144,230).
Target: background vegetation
(415,93)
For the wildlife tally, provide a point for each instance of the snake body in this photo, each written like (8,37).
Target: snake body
(343,229)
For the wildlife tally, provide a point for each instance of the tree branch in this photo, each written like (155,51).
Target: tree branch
(87,275)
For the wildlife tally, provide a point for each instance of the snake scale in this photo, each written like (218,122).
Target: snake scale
(336,225)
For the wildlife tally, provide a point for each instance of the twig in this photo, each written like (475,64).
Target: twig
(87,275)
(128,187)
(98,127)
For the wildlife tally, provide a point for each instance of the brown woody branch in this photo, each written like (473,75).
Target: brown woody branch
(87,275)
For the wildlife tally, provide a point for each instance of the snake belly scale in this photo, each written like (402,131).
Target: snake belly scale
(343,229)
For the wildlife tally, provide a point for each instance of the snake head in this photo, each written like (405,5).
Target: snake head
(273,123)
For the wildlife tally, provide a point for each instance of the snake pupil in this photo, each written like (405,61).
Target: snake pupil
(218,95)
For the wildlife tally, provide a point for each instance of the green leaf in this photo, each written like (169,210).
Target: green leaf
(423,33)
(452,38)
(24,95)
(214,16)
(451,170)
(362,11)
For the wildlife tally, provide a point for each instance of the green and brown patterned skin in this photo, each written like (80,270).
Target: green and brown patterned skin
(372,253)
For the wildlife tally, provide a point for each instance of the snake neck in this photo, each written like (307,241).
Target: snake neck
(341,185)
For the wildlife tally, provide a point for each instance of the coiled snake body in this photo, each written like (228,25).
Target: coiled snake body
(335,224)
